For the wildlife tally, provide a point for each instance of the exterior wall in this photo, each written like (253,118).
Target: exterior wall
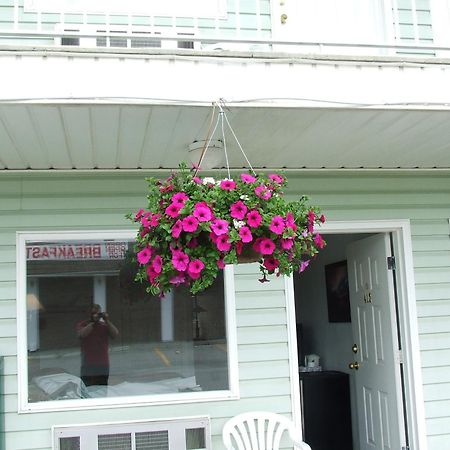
(80,202)
(424,199)
(100,201)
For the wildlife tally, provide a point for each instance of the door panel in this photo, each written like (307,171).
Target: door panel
(377,380)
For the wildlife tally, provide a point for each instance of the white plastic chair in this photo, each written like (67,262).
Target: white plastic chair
(260,430)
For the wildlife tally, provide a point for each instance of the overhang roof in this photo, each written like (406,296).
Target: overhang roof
(91,110)
(124,136)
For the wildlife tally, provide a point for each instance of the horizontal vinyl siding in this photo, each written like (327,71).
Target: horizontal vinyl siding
(101,202)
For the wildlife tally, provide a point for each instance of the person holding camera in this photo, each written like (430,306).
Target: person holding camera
(94,334)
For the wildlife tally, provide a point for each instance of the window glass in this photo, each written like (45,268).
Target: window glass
(93,332)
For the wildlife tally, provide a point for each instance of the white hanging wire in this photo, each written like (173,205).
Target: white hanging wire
(239,144)
(208,141)
(221,105)
(222,114)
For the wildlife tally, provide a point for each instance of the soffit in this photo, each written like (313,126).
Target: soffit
(118,136)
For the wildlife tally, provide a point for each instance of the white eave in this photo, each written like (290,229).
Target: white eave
(104,110)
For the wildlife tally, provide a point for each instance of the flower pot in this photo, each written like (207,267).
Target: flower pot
(248,255)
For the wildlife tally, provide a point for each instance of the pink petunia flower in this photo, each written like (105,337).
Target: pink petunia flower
(213,236)
(238,210)
(219,226)
(222,243)
(263,192)
(303,266)
(190,224)
(173,210)
(257,244)
(154,220)
(196,266)
(227,185)
(239,245)
(194,275)
(178,279)
(286,244)
(276,178)
(290,219)
(246,178)
(311,216)
(254,218)
(202,212)
(271,263)
(179,199)
(220,263)
(177,229)
(266,246)
(277,225)
(144,255)
(322,218)
(245,234)
(139,214)
(145,222)
(180,260)
(151,274)
(157,264)
(319,241)
(197,180)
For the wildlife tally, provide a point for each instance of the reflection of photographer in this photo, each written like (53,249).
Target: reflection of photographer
(94,334)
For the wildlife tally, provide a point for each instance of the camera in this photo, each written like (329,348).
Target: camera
(101,315)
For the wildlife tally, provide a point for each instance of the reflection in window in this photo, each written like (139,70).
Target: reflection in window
(93,332)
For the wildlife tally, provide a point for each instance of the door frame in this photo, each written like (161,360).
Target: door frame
(407,322)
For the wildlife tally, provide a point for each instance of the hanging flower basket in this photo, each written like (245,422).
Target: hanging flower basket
(193,226)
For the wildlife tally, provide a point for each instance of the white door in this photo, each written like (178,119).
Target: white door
(377,380)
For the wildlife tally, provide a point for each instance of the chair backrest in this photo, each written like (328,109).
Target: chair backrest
(260,430)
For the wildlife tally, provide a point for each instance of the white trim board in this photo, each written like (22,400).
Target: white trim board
(409,332)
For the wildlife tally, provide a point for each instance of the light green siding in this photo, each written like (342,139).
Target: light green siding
(76,202)
(100,202)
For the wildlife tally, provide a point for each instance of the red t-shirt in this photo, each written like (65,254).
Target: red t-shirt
(94,346)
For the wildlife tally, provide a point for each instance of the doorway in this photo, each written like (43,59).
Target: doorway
(357,376)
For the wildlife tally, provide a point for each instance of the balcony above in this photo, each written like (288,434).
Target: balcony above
(81,92)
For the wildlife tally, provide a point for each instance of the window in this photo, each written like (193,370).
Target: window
(93,335)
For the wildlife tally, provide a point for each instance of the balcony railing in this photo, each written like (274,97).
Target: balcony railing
(378,28)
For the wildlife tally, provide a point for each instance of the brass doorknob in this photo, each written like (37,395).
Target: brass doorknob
(283,18)
(354,365)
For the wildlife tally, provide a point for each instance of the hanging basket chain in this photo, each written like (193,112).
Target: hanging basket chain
(221,116)
(209,135)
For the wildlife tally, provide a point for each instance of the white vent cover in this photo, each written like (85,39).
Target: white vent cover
(170,434)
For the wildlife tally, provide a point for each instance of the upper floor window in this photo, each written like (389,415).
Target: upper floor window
(93,335)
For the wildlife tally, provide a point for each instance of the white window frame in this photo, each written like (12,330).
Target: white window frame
(24,406)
